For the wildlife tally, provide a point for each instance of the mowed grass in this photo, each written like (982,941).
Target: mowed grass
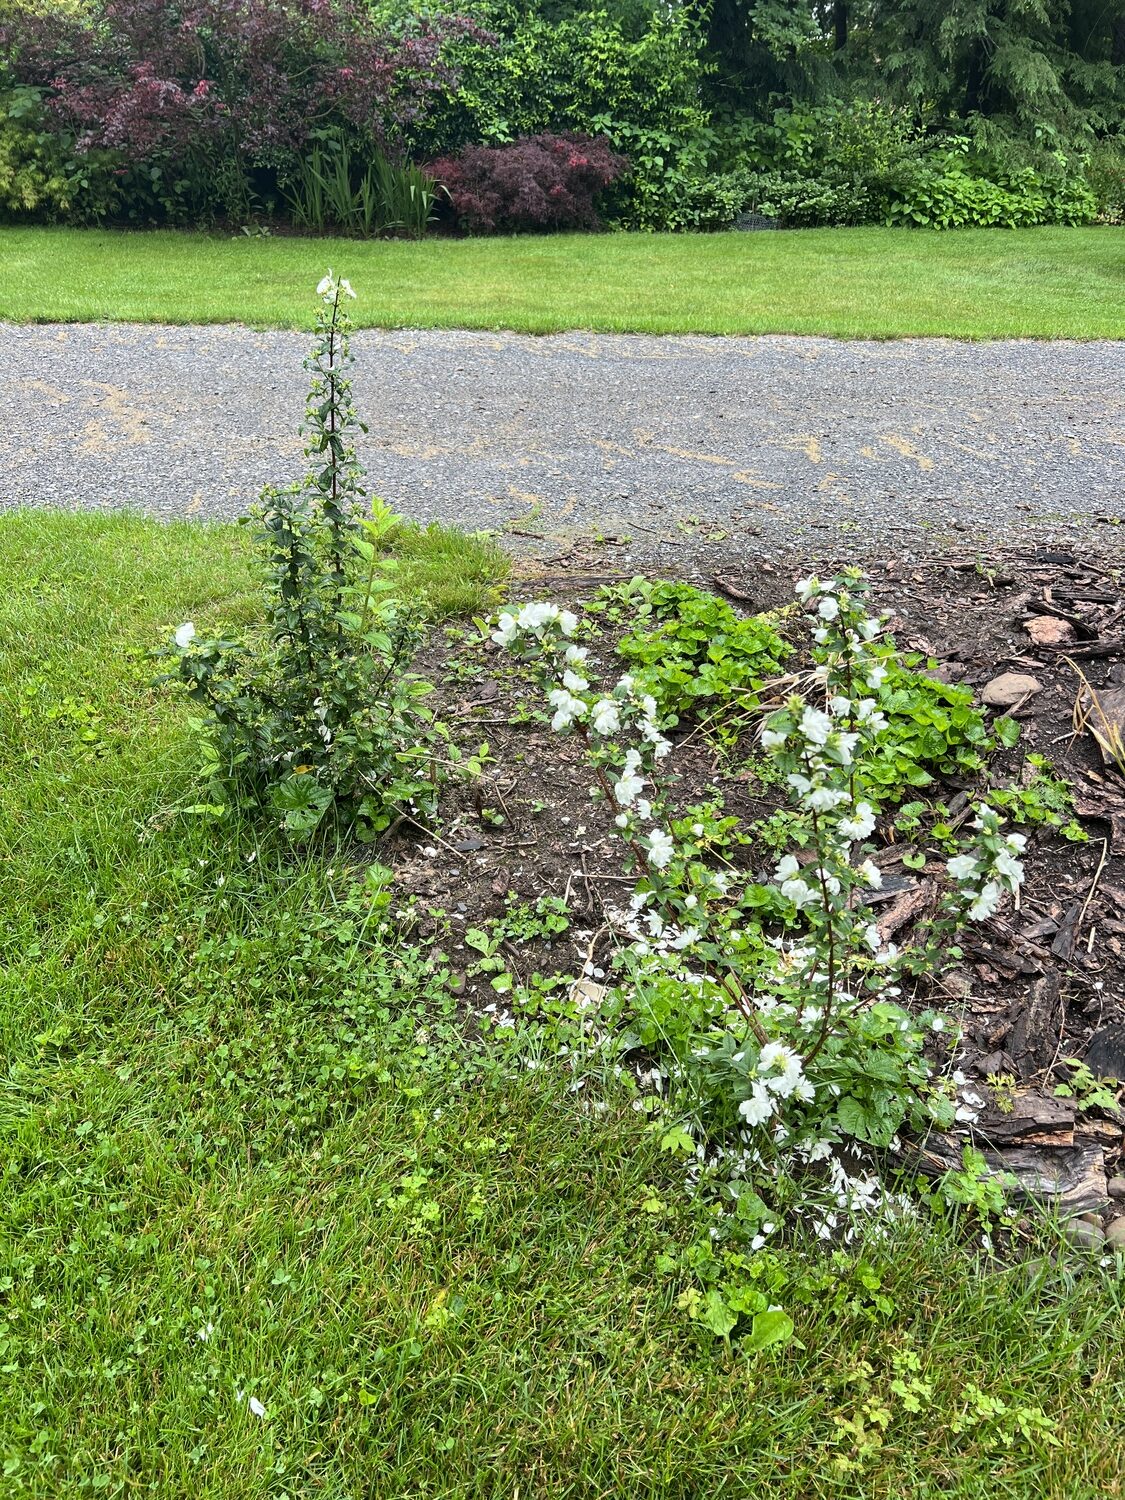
(247,1153)
(847,283)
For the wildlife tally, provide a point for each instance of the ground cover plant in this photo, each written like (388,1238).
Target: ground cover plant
(847,284)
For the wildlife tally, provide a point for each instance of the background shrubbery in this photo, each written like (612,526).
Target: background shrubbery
(327,114)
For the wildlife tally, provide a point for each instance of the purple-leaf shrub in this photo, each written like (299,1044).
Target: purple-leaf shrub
(541,182)
(255,77)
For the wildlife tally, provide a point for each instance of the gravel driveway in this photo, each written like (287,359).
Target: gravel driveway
(681,444)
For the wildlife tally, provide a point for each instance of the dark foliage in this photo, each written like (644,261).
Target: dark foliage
(206,92)
(542,182)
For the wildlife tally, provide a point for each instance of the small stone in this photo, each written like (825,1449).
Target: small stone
(1009,689)
(1083,1236)
(1046,630)
(1116,1189)
(1115,1235)
(586,994)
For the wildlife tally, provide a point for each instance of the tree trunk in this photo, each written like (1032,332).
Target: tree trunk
(1118,55)
(840,23)
(974,80)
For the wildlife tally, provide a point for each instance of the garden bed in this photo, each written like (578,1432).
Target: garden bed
(1034,985)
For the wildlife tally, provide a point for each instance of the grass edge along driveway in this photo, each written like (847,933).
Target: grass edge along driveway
(842,283)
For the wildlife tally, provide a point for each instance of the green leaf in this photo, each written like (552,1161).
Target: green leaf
(677,1139)
(714,1314)
(771,1327)
(854,1119)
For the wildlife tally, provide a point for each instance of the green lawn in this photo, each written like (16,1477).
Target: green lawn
(855,283)
(246,1147)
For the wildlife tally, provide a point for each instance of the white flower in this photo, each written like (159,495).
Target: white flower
(575,654)
(864,709)
(799,893)
(871,937)
(1016,842)
(346,288)
(568,621)
(828,608)
(685,938)
(821,635)
(771,1053)
(605,716)
(507,629)
(629,785)
(808,588)
(871,873)
(815,726)
(644,809)
(986,903)
(185,634)
(622,820)
(567,708)
(824,799)
(324,285)
(773,739)
(1008,868)
(575,683)
(962,867)
(535,616)
(860,824)
(876,677)
(660,848)
(938,1023)
(843,744)
(789,1066)
(691,902)
(868,629)
(758,1107)
(254,1404)
(205,1332)
(787,868)
(839,706)
(806,1092)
